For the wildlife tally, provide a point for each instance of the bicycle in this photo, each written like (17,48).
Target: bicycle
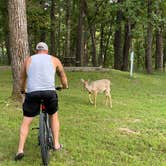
(45,136)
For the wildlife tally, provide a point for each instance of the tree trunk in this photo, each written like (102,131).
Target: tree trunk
(35,37)
(18,40)
(6,30)
(42,35)
(53,29)
(164,56)
(85,54)
(79,48)
(68,27)
(93,38)
(92,34)
(100,59)
(159,50)
(2,50)
(127,44)
(118,40)
(148,50)
(59,31)
(106,60)
(30,41)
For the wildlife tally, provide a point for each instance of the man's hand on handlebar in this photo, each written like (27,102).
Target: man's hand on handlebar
(58,88)
(61,87)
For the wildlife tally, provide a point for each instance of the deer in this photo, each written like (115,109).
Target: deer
(98,86)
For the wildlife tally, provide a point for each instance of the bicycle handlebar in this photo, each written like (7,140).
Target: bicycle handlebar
(59,88)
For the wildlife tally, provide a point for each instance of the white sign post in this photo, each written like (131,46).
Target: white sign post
(131,63)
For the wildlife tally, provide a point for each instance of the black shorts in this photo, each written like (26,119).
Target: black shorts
(31,105)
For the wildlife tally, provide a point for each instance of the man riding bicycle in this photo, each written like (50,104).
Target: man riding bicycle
(38,77)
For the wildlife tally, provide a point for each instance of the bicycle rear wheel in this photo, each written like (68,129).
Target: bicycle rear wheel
(43,138)
(50,136)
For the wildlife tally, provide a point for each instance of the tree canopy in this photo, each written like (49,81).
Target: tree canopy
(95,33)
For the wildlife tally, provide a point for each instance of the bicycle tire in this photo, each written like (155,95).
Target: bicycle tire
(50,136)
(43,138)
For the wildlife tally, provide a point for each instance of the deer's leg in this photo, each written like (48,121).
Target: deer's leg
(107,97)
(106,101)
(90,98)
(110,101)
(95,96)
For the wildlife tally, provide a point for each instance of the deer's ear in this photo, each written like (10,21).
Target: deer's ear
(82,80)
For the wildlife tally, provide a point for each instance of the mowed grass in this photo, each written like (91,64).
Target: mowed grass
(92,137)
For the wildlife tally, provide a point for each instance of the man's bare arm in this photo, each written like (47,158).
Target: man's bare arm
(61,74)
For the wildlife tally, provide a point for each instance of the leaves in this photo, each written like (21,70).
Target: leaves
(99,12)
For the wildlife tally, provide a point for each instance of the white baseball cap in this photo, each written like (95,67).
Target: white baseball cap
(41,46)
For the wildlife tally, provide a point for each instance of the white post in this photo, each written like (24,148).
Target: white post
(131,63)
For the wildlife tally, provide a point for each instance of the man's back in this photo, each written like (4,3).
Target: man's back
(40,73)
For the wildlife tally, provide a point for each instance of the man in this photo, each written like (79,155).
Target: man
(38,77)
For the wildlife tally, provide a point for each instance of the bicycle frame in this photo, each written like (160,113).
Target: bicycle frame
(45,134)
(48,126)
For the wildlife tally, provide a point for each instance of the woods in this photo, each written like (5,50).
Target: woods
(86,33)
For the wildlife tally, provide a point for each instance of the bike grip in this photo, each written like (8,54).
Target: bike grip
(58,88)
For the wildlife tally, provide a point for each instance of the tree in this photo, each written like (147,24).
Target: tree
(92,33)
(101,53)
(104,32)
(149,38)
(18,40)
(53,28)
(79,45)
(159,50)
(4,30)
(68,27)
(160,22)
(118,40)
(127,45)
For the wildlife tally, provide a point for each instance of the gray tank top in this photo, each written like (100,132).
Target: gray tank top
(41,73)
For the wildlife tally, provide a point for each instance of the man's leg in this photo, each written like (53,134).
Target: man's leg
(24,132)
(55,129)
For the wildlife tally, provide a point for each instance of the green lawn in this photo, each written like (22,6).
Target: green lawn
(92,137)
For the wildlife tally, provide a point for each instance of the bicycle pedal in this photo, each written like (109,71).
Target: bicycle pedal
(35,128)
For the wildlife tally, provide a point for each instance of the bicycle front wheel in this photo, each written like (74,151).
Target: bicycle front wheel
(43,138)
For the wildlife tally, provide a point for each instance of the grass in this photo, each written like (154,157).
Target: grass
(91,137)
